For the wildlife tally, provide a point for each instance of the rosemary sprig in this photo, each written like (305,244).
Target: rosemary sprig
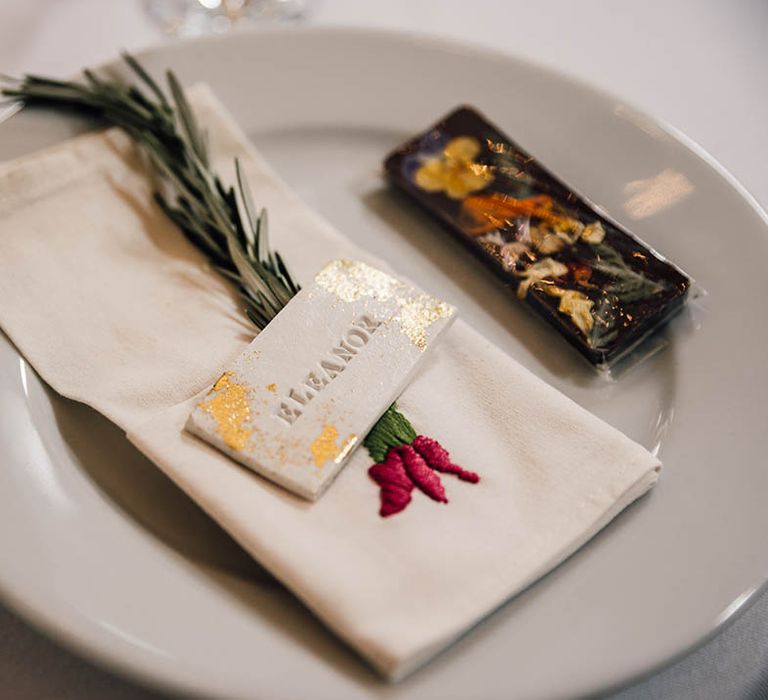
(221,221)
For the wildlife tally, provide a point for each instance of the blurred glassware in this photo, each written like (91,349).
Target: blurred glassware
(196,17)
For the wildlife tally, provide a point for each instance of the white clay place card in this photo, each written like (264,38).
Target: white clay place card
(308,389)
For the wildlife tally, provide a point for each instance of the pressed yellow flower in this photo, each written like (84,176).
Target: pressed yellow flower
(463,148)
(593,233)
(546,268)
(575,305)
(579,308)
(455,171)
(569,229)
(545,241)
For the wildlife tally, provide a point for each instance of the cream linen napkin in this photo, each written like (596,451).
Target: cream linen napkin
(113,308)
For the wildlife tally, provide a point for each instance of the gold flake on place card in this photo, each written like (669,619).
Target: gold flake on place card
(301,397)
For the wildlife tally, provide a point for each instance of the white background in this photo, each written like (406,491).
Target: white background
(700,66)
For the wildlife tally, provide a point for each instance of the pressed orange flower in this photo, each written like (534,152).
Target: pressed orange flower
(581,275)
(455,171)
(484,213)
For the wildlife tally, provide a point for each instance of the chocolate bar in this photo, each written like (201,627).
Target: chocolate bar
(599,285)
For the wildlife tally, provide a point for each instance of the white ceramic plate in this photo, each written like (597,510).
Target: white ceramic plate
(102,552)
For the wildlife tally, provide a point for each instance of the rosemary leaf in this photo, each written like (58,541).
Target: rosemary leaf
(147,79)
(187,119)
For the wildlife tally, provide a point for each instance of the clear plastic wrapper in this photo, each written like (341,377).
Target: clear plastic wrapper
(601,287)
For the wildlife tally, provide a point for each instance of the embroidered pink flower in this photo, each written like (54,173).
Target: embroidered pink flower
(427,480)
(438,458)
(406,460)
(395,484)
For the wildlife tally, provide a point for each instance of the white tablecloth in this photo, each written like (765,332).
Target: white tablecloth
(698,65)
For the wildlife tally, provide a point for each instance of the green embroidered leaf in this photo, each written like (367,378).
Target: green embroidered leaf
(392,430)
